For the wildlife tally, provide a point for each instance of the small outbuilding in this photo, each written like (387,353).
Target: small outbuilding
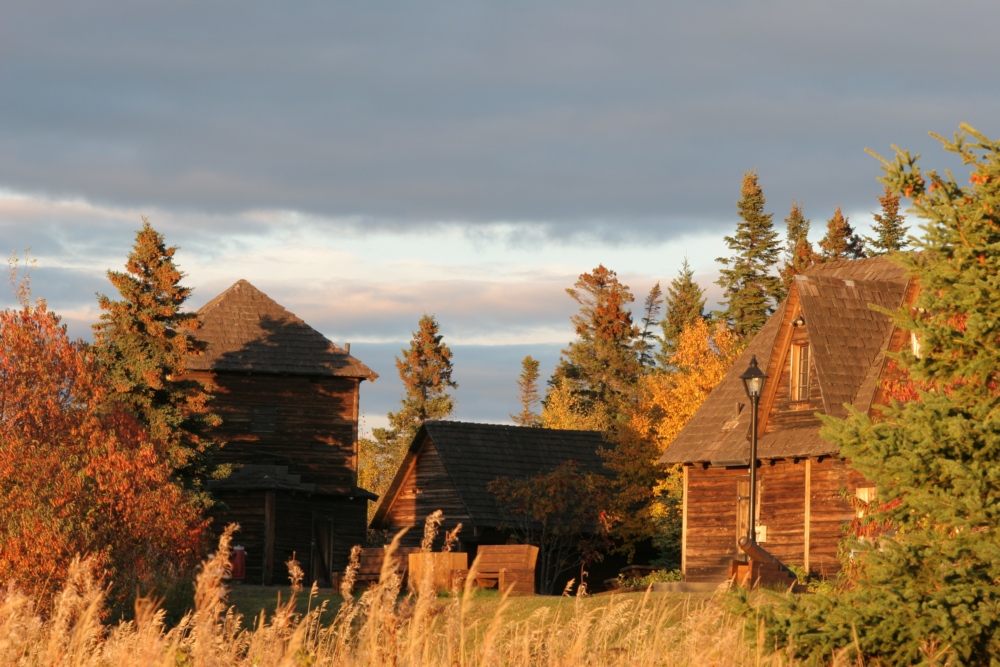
(288,399)
(823,350)
(450,464)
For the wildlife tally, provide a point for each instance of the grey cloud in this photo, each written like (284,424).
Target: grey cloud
(609,122)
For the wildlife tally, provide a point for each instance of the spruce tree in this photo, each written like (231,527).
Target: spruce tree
(528,396)
(933,587)
(425,370)
(650,318)
(840,241)
(750,288)
(601,366)
(891,234)
(142,341)
(799,254)
(685,304)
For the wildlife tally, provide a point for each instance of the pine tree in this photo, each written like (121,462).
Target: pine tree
(840,241)
(143,341)
(601,366)
(889,227)
(799,254)
(425,370)
(750,288)
(685,304)
(935,585)
(528,396)
(650,318)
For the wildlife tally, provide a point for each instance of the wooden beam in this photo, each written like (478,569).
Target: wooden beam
(776,362)
(808,512)
(684,521)
(269,521)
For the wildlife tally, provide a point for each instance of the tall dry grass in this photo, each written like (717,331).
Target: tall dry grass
(380,627)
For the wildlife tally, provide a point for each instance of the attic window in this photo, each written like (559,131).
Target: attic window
(800,372)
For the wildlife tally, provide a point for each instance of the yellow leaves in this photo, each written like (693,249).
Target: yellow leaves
(564,410)
(667,400)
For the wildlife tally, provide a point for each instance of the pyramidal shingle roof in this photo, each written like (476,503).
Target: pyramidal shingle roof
(848,340)
(246,330)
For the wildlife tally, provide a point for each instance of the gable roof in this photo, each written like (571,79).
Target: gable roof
(474,455)
(848,341)
(246,330)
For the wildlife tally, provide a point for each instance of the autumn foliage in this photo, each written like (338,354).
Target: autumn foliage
(666,401)
(78,476)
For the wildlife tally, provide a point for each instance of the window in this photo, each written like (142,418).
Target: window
(866,495)
(800,372)
(915,344)
(264,419)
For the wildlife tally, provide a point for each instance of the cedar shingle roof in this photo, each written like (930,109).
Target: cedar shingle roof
(848,341)
(476,454)
(246,330)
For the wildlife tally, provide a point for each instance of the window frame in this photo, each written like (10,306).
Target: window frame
(799,373)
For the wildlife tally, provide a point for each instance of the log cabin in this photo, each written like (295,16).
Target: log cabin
(450,464)
(823,350)
(288,399)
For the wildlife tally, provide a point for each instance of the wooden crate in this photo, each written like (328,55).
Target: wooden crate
(443,567)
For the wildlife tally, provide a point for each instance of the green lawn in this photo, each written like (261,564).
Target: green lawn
(250,600)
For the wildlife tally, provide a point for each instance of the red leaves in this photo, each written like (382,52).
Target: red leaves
(77,474)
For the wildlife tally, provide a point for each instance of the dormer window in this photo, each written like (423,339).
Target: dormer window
(800,372)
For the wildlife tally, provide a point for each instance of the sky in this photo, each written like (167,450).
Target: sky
(364,163)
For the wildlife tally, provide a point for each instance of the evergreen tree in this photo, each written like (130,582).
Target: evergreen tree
(889,227)
(750,288)
(799,254)
(840,241)
(143,341)
(527,385)
(685,304)
(933,587)
(425,370)
(650,318)
(601,366)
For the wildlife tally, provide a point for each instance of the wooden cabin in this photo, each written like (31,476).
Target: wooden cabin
(449,466)
(823,350)
(288,399)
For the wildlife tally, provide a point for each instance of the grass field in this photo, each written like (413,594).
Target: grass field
(379,627)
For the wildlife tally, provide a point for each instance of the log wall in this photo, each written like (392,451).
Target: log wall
(426,488)
(308,423)
(793,525)
(295,531)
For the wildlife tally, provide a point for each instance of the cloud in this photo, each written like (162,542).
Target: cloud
(613,124)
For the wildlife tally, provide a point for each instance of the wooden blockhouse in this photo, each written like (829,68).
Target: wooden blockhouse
(288,399)
(823,349)
(449,466)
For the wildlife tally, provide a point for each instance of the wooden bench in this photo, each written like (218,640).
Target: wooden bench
(370,564)
(509,566)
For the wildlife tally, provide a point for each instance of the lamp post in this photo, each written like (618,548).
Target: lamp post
(753,383)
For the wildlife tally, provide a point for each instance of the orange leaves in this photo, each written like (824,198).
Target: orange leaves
(77,474)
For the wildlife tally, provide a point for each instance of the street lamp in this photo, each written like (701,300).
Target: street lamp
(753,382)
